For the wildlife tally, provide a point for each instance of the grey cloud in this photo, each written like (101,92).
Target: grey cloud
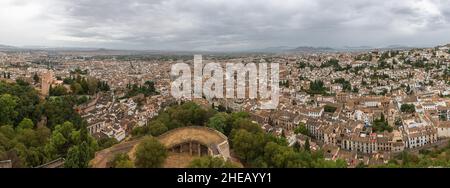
(246,24)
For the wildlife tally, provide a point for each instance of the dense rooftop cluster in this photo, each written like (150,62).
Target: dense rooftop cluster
(361,107)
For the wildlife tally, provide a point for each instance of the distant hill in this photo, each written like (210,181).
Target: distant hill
(309,49)
(397,47)
(61,48)
(46,48)
(288,49)
(276,49)
(306,49)
(356,48)
(6,47)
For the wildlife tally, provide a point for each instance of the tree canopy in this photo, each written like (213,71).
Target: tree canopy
(121,160)
(317,87)
(150,153)
(301,129)
(408,108)
(186,114)
(381,125)
(210,162)
(8,113)
(28,141)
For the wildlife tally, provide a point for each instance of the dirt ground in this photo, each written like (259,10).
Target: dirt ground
(178,160)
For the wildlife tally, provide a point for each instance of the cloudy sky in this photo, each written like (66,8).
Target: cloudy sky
(223,24)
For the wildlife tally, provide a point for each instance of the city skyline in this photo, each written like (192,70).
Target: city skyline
(223,25)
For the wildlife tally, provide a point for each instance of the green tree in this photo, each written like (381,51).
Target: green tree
(248,146)
(56,146)
(408,89)
(30,146)
(301,129)
(332,63)
(73,158)
(346,85)
(92,85)
(83,99)
(77,89)
(78,156)
(157,128)
(8,111)
(42,134)
(329,108)
(150,153)
(62,138)
(106,143)
(361,165)
(59,90)
(121,160)
(26,124)
(317,87)
(219,121)
(103,86)
(149,87)
(274,155)
(211,162)
(246,124)
(380,125)
(36,78)
(59,110)
(307,145)
(125,164)
(408,108)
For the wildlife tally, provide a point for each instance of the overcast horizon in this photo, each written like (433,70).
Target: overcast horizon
(229,25)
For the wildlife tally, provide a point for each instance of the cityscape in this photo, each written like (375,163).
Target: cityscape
(69,102)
